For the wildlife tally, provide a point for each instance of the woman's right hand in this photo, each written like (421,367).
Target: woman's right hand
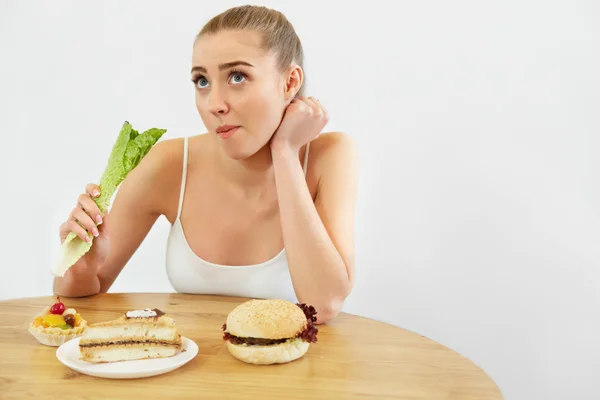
(86,219)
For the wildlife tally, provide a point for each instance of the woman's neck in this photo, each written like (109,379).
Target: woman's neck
(253,175)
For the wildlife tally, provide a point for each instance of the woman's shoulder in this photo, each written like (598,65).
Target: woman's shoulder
(164,159)
(332,149)
(332,141)
(156,181)
(162,167)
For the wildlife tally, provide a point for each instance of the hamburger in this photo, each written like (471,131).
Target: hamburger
(270,331)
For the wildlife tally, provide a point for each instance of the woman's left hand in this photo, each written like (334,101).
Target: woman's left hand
(303,121)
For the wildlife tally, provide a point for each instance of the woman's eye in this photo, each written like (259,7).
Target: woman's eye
(237,78)
(202,82)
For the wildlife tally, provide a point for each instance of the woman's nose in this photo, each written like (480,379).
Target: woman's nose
(216,103)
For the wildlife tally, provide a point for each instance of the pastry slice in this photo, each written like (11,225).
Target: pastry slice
(137,335)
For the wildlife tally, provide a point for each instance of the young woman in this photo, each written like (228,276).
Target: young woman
(261,206)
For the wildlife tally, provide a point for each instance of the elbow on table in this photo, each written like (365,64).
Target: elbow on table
(328,311)
(74,293)
(326,315)
(73,290)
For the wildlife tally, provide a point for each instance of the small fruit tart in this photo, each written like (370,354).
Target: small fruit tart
(57,324)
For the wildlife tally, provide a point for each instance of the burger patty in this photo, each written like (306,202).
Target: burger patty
(252,341)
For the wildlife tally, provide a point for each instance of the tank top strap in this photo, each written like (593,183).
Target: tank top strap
(183,176)
(305,165)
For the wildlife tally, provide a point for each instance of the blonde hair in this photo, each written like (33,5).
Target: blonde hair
(279,36)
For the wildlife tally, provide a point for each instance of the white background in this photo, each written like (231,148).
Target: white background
(478,221)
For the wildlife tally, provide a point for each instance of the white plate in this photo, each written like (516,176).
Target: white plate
(69,355)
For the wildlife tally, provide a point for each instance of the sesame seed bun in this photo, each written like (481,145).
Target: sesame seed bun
(266,319)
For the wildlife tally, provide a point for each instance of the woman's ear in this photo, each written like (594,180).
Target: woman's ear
(294,78)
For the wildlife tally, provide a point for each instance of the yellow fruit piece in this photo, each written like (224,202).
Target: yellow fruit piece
(39,321)
(54,320)
(78,319)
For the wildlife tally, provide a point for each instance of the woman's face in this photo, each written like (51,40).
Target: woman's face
(240,93)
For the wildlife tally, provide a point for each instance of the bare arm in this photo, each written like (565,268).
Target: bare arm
(319,235)
(79,281)
(135,209)
(132,216)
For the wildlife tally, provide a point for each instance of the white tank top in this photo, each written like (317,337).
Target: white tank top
(189,273)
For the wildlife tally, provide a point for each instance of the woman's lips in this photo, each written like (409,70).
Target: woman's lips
(226,131)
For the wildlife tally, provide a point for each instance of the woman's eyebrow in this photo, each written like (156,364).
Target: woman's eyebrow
(223,66)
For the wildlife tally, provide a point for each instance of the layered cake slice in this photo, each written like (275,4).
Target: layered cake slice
(137,335)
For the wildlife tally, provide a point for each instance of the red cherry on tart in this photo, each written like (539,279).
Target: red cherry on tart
(57,308)
(57,324)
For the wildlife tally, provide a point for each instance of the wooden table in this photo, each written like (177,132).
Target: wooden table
(354,358)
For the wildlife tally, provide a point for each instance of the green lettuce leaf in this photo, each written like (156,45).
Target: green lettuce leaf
(127,152)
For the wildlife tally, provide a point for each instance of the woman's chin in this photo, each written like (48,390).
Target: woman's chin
(239,151)
(238,156)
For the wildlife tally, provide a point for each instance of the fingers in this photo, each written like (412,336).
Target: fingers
(322,112)
(92,190)
(83,219)
(90,206)
(72,226)
(314,106)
